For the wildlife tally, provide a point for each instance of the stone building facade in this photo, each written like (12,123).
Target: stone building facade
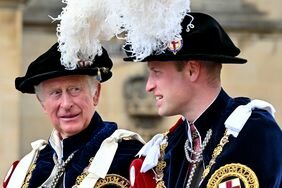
(26,31)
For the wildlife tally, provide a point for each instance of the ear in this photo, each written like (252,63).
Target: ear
(97,95)
(193,69)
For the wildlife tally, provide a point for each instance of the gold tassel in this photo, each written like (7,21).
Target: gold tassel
(99,76)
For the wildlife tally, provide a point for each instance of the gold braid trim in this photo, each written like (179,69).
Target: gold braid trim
(28,175)
(159,174)
(85,172)
(30,170)
(216,152)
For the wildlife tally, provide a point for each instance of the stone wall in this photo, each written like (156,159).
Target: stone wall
(10,53)
(255,27)
(261,77)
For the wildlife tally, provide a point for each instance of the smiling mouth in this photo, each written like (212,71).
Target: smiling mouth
(69,116)
(158,97)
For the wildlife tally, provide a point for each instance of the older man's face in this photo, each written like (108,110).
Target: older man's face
(68,102)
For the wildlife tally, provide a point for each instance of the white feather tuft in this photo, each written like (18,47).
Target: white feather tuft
(83,25)
(149,26)
(152,24)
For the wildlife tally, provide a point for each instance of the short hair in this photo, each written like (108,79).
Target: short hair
(179,65)
(213,71)
(92,83)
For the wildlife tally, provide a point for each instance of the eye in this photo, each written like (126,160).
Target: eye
(156,72)
(74,91)
(55,93)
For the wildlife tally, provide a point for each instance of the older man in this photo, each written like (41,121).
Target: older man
(83,150)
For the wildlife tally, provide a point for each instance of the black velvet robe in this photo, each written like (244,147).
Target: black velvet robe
(258,146)
(87,144)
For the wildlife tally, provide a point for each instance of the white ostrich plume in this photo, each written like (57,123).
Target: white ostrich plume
(151,24)
(84,24)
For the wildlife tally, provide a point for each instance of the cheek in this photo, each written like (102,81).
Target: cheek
(86,103)
(50,108)
(174,89)
(178,81)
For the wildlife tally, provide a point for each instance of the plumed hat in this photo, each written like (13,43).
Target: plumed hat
(201,38)
(83,26)
(48,66)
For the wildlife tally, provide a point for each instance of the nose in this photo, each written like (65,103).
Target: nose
(67,101)
(150,85)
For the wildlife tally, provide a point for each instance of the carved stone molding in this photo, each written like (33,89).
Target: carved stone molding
(138,102)
(12,3)
(37,12)
(238,15)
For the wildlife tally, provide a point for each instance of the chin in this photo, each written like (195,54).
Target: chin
(166,113)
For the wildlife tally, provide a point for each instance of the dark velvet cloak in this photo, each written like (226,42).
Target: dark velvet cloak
(258,146)
(87,144)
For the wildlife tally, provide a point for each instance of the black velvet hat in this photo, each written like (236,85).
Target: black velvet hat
(202,39)
(48,65)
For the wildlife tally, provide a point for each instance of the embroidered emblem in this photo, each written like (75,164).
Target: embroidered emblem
(233,183)
(112,180)
(226,174)
(175,45)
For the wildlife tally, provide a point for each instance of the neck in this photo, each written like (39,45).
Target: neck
(203,100)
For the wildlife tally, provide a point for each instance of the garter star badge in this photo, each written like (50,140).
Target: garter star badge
(112,180)
(175,45)
(233,183)
(233,175)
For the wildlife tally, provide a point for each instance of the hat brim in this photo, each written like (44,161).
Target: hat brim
(204,57)
(26,85)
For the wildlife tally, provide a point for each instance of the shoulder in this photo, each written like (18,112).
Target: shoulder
(262,133)
(128,141)
(263,125)
(127,150)
(129,146)
(252,116)
(139,179)
(19,169)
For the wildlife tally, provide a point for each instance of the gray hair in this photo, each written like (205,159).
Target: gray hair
(92,84)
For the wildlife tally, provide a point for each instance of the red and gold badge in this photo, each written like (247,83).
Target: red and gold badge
(233,175)
(175,45)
